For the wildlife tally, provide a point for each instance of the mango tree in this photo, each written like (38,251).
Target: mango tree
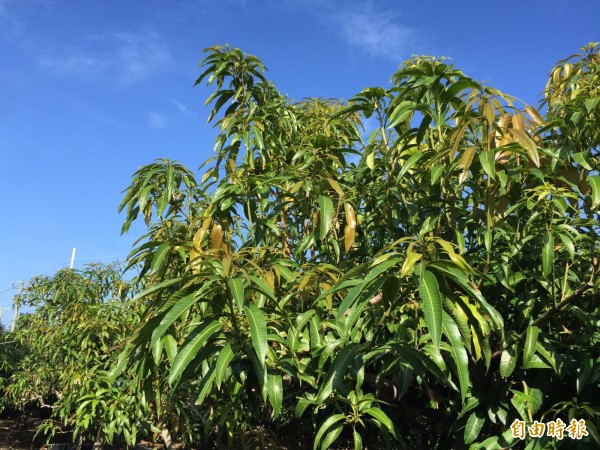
(432,282)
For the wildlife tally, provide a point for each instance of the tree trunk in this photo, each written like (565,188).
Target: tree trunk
(166,436)
(99,444)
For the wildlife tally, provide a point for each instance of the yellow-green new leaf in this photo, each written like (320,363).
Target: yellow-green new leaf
(411,259)
(595,185)
(527,143)
(335,185)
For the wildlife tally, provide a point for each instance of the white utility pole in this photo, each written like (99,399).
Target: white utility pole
(72,258)
(1,310)
(16,309)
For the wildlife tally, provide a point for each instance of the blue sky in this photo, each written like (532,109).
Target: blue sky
(91,90)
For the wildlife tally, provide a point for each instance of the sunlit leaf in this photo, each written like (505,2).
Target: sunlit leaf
(432,306)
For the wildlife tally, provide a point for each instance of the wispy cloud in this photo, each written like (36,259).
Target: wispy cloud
(368,26)
(140,55)
(182,108)
(126,57)
(158,120)
(378,33)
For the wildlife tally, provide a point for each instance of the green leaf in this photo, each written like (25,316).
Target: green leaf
(436,172)
(155,288)
(530,343)
(301,406)
(275,393)
(382,417)
(580,159)
(336,371)
(159,256)
(432,306)
(170,345)
(410,162)
(332,435)
(473,427)
(192,345)
(459,354)
(327,210)
(508,361)
(258,331)
(329,422)
(225,357)
(488,163)
(358,445)
(205,386)
(595,185)
(471,403)
(177,310)
(412,258)
(548,254)
(236,287)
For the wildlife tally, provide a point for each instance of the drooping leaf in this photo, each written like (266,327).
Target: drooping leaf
(595,185)
(236,287)
(530,343)
(336,371)
(382,417)
(459,354)
(275,392)
(174,313)
(429,292)
(159,256)
(258,331)
(548,254)
(329,422)
(473,427)
(192,345)
(225,357)
(487,159)
(327,211)
(527,143)
(508,361)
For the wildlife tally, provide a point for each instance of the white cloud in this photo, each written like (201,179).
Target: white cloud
(158,120)
(378,33)
(139,55)
(74,64)
(369,26)
(182,108)
(124,57)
